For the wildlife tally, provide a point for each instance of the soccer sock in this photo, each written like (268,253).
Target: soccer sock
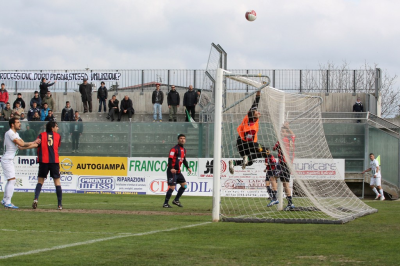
(269,190)
(376,191)
(37,190)
(10,190)
(381,192)
(274,194)
(59,195)
(289,200)
(168,196)
(5,192)
(180,192)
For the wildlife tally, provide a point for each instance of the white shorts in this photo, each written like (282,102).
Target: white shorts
(8,168)
(375,181)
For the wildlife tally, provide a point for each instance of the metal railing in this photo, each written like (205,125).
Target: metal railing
(290,80)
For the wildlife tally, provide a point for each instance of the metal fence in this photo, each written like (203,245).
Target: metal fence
(289,80)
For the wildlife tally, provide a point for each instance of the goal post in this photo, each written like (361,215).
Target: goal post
(292,124)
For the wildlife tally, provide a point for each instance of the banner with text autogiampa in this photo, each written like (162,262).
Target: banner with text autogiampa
(157,185)
(319,169)
(152,166)
(72,76)
(111,185)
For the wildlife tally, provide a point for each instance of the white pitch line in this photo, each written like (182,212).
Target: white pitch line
(96,240)
(61,232)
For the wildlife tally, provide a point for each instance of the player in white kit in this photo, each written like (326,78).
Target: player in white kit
(376,177)
(12,143)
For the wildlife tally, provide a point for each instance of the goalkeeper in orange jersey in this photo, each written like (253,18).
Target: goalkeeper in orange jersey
(246,143)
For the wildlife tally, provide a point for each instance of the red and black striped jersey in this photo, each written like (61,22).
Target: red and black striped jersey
(48,148)
(271,161)
(177,156)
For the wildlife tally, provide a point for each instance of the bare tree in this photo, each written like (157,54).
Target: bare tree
(332,78)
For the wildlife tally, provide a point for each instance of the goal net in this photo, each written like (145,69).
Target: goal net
(305,184)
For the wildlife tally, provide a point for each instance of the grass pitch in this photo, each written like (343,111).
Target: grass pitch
(135,230)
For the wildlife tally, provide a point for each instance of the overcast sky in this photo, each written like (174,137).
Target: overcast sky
(172,34)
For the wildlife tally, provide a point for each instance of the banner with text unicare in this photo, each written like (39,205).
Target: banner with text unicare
(75,76)
(250,182)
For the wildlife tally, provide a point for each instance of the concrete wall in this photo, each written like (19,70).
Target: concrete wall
(333,102)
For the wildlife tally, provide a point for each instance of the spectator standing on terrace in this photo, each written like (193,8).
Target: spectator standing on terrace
(49,100)
(157,100)
(20,100)
(126,108)
(67,113)
(44,112)
(44,87)
(86,93)
(173,100)
(3,96)
(76,129)
(102,95)
(7,111)
(358,107)
(112,107)
(36,99)
(32,111)
(189,102)
(17,111)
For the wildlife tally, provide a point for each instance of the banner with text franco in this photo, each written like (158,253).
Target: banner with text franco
(93,166)
(157,166)
(75,76)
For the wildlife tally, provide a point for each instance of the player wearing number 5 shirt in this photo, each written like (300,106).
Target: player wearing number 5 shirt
(48,159)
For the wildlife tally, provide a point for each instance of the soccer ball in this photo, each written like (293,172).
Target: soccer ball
(251,15)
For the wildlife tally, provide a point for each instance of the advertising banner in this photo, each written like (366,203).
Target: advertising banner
(93,166)
(26,170)
(157,185)
(75,76)
(111,185)
(206,169)
(320,169)
(158,167)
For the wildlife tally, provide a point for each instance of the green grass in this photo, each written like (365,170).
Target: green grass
(369,240)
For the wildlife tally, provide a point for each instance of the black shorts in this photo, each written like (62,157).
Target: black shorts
(283,172)
(172,179)
(270,173)
(53,168)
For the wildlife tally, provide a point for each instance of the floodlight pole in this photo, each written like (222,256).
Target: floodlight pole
(217,146)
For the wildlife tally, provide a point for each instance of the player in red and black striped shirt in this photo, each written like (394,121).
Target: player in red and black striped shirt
(177,156)
(288,139)
(270,163)
(48,158)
